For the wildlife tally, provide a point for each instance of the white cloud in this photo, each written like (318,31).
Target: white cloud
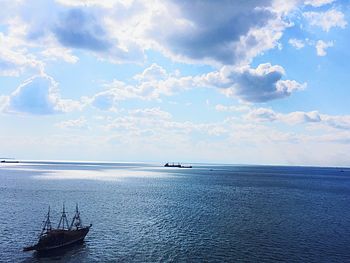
(261,84)
(15,60)
(235,108)
(153,72)
(87,3)
(87,29)
(321,47)
(318,3)
(300,117)
(4,101)
(326,20)
(297,43)
(50,26)
(121,31)
(54,53)
(149,87)
(104,100)
(80,124)
(231,135)
(155,125)
(292,118)
(237,35)
(118,90)
(69,105)
(262,114)
(147,132)
(339,122)
(38,95)
(12,63)
(151,113)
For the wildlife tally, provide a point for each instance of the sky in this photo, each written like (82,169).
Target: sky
(239,82)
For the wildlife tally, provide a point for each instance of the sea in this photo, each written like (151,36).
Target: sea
(149,213)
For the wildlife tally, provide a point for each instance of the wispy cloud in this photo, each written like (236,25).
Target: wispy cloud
(79,124)
(297,43)
(326,20)
(321,47)
(318,3)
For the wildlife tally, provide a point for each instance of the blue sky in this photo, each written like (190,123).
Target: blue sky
(254,82)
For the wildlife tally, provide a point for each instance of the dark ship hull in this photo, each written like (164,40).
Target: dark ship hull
(177,165)
(59,238)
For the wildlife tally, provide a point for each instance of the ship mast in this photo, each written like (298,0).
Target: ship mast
(76,221)
(63,220)
(47,224)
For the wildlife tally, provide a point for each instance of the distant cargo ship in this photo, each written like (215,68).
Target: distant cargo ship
(65,234)
(177,165)
(8,161)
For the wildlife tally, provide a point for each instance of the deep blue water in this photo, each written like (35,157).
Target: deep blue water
(145,213)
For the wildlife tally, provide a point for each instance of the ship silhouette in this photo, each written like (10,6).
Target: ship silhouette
(178,165)
(62,236)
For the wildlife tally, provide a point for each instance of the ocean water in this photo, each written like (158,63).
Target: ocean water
(210,213)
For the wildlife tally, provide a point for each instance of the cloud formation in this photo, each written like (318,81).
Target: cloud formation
(78,29)
(224,46)
(56,26)
(153,72)
(13,59)
(292,118)
(318,3)
(121,31)
(261,84)
(38,95)
(297,43)
(87,3)
(56,53)
(262,115)
(321,47)
(326,20)
(11,63)
(80,124)
(239,33)
(339,122)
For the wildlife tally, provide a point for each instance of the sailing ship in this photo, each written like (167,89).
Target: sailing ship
(64,235)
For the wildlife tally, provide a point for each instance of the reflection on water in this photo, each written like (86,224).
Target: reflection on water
(102,175)
(144,213)
(79,250)
(89,172)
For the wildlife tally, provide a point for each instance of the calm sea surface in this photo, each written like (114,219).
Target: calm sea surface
(145,213)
